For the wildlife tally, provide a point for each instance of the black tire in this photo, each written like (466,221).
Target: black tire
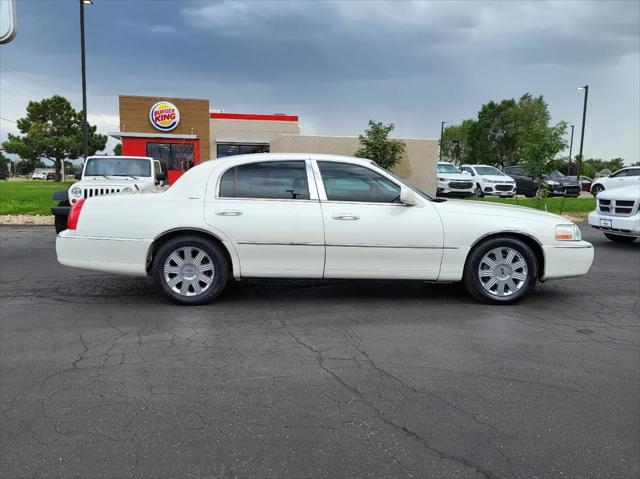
(620,238)
(181,245)
(479,193)
(531,195)
(474,284)
(60,222)
(596,189)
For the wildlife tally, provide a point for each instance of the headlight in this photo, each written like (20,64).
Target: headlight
(568,233)
(552,183)
(126,189)
(76,191)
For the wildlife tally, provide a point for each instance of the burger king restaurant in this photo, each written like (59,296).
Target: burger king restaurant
(183,132)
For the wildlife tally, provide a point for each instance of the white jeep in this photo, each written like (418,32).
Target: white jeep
(617,213)
(107,175)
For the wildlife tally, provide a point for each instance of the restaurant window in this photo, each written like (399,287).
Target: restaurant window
(173,156)
(231,149)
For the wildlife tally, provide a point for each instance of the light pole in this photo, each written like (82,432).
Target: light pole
(584,118)
(85,132)
(441,133)
(570,149)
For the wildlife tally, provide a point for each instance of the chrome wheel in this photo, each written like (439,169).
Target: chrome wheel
(502,271)
(189,271)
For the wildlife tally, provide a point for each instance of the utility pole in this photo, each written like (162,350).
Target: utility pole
(441,133)
(85,132)
(570,149)
(584,118)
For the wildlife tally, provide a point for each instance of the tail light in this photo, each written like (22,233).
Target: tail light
(74,215)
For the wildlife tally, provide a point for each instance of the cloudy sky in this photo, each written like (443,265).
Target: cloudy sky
(338,64)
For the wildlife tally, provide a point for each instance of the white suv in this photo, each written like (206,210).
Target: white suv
(108,175)
(618,213)
(452,181)
(625,177)
(489,180)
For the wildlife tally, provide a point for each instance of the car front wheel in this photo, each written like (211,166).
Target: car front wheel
(596,189)
(479,193)
(500,271)
(620,238)
(190,270)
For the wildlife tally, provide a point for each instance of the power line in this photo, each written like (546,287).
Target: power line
(7,119)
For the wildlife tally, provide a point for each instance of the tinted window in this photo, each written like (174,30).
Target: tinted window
(514,170)
(346,182)
(121,166)
(231,149)
(447,168)
(489,170)
(173,156)
(634,172)
(269,179)
(620,173)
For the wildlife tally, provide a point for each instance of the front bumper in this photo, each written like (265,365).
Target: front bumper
(454,188)
(621,225)
(567,259)
(500,189)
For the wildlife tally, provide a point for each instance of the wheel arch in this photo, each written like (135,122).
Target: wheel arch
(526,238)
(158,241)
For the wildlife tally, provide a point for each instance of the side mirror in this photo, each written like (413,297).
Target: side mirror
(408,197)
(78,176)
(161,176)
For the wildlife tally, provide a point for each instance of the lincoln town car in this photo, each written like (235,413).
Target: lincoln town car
(316,216)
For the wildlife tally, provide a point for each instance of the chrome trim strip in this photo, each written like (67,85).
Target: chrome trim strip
(278,243)
(60,235)
(574,246)
(400,246)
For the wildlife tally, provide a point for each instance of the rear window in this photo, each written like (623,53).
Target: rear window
(285,180)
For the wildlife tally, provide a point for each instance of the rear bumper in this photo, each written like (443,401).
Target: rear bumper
(622,225)
(110,255)
(567,260)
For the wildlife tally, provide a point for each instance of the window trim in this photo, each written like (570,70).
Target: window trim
(323,194)
(313,192)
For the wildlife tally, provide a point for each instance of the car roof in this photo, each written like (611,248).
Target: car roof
(103,157)
(255,157)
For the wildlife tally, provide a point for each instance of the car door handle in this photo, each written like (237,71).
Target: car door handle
(346,216)
(228,212)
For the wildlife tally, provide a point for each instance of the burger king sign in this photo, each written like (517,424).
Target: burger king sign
(164,116)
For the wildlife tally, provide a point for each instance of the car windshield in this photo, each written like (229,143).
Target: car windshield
(488,170)
(556,174)
(123,166)
(447,168)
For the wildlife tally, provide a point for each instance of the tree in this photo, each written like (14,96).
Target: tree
(376,145)
(52,130)
(117,150)
(455,142)
(540,145)
(26,167)
(4,168)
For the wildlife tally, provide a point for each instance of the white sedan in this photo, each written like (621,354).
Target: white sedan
(625,177)
(316,216)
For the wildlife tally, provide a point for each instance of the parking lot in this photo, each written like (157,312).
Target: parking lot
(100,377)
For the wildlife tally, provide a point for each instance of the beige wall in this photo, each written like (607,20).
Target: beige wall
(418,164)
(247,131)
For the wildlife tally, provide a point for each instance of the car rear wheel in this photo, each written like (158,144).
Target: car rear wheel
(500,271)
(190,270)
(620,238)
(596,189)
(479,193)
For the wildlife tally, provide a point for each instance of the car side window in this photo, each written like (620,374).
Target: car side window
(347,182)
(514,170)
(620,174)
(634,172)
(285,180)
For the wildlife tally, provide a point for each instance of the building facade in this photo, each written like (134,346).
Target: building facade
(182,132)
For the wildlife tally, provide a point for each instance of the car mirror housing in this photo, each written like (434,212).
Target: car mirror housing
(408,197)
(78,176)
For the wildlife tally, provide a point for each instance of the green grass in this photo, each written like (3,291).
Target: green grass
(571,205)
(28,197)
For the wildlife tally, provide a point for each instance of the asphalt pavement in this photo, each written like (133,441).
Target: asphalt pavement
(102,378)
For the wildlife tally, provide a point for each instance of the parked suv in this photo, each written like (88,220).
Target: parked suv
(107,175)
(489,180)
(452,181)
(556,183)
(618,214)
(624,177)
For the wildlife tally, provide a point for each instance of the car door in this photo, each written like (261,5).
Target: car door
(524,184)
(625,177)
(368,232)
(271,213)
